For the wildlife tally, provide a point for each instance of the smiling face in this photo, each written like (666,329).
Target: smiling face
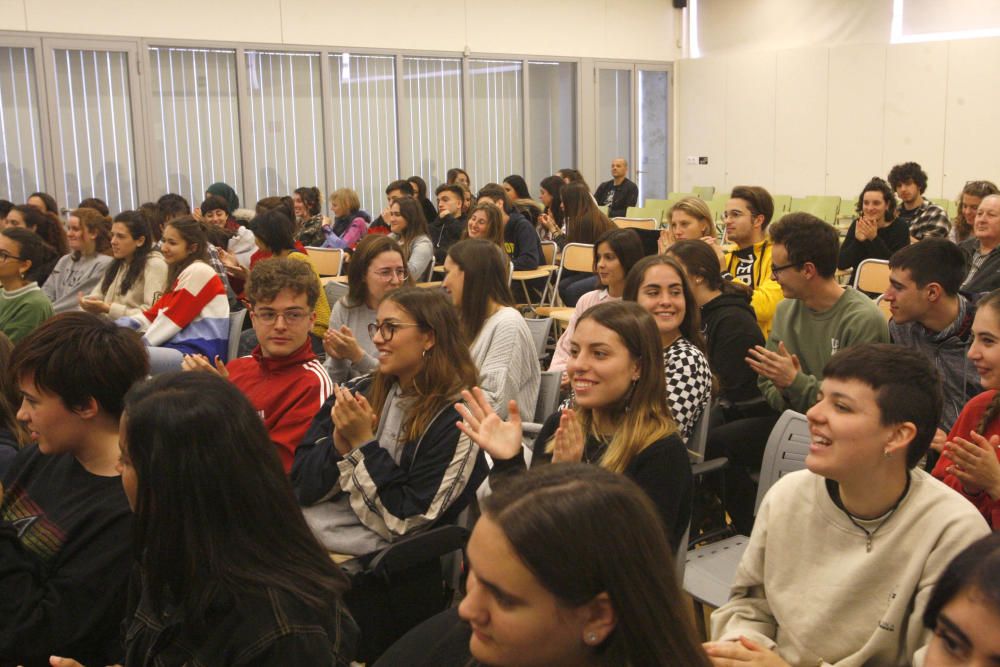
(965,635)
(74,234)
(449,204)
(987,226)
(386,272)
(970,204)
(661,293)
(397,223)
(454,280)
(403,355)
(288,331)
(741,224)
(601,368)
(173,247)
(985,349)
(514,619)
(610,271)
(299,206)
(790,278)
(479,225)
(685,226)
(874,205)
(123,246)
(847,437)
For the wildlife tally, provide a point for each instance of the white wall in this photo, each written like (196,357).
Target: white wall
(635,30)
(825,120)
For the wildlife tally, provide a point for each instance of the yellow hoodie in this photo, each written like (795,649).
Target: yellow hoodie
(766,291)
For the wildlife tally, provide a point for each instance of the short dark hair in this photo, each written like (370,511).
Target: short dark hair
(173,206)
(403,186)
(808,239)
(494,191)
(973,570)
(932,261)
(758,200)
(270,276)
(274,229)
(908,171)
(876,184)
(457,190)
(78,356)
(907,387)
(214,203)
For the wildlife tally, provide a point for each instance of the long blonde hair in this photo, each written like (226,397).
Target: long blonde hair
(642,416)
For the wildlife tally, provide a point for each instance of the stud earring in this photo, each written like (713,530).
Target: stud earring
(591,637)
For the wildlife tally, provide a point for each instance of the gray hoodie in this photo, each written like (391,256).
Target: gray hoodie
(71,277)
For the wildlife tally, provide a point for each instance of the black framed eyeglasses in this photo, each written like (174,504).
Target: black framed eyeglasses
(776,269)
(387,329)
(4,256)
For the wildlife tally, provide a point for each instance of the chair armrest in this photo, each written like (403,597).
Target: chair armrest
(708,467)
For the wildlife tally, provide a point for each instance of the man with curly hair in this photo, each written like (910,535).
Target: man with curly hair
(922,217)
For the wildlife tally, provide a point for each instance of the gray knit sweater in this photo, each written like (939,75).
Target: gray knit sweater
(71,276)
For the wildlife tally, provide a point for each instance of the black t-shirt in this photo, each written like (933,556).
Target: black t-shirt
(65,554)
(743,271)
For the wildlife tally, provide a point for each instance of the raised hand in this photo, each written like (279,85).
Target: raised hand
(569,439)
(498,438)
(353,418)
(975,463)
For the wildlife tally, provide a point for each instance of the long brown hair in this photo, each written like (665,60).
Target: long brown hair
(494,223)
(416,224)
(991,301)
(447,369)
(556,519)
(584,221)
(10,397)
(368,248)
(193,233)
(99,225)
(691,324)
(642,416)
(485,270)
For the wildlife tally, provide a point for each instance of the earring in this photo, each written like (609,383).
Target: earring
(591,638)
(886,453)
(425,353)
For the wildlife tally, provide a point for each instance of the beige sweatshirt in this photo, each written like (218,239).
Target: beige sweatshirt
(808,588)
(142,293)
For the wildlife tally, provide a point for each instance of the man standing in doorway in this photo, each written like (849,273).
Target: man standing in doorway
(619,193)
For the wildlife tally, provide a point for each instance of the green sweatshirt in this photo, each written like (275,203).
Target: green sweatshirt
(22,310)
(815,337)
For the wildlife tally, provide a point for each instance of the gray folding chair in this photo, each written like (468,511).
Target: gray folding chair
(548,395)
(540,328)
(710,569)
(235,329)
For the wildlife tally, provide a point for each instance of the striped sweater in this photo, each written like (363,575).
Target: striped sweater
(193,317)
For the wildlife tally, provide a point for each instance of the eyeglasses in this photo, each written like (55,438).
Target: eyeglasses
(729,215)
(388,274)
(291,317)
(775,270)
(387,329)
(4,256)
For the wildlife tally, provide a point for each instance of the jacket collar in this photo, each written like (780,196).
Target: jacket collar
(275,364)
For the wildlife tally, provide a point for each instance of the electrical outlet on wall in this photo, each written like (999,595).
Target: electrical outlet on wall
(692,159)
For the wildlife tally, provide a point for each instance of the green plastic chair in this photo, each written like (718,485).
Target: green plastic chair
(677,195)
(782,203)
(798,204)
(704,191)
(824,207)
(655,213)
(949,205)
(717,205)
(603,209)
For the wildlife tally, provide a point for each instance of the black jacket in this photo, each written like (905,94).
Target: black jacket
(987,278)
(445,232)
(731,329)
(522,243)
(627,195)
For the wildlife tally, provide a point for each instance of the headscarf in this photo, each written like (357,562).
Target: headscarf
(227,193)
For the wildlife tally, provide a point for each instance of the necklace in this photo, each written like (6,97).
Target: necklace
(834,491)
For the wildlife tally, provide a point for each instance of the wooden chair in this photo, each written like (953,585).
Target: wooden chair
(328,261)
(872,275)
(635,223)
(575,257)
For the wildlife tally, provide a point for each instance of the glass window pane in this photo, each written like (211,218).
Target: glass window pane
(651,170)
(94,125)
(365,155)
(614,118)
(551,119)
(496,140)
(194,121)
(286,122)
(21,171)
(433,88)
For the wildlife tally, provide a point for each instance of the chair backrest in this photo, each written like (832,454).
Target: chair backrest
(636,223)
(548,394)
(578,257)
(884,306)
(530,431)
(872,275)
(236,318)
(823,207)
(703,192)
(328,261)
(654,212)
(786,451)
(549,252)
(782,204)
(699,436)
(539,328)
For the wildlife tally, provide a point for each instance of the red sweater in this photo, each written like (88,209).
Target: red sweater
(287,392)
(967,421)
